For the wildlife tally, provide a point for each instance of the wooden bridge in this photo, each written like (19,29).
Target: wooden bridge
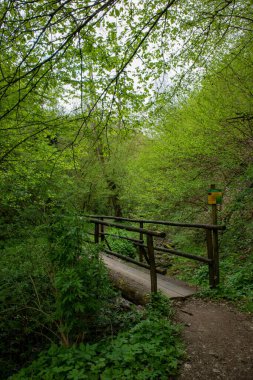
(144,274)
(134,282)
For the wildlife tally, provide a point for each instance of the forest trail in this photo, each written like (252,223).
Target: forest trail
(136,280)
(218,338)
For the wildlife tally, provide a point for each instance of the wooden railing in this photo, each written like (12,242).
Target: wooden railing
(147,248)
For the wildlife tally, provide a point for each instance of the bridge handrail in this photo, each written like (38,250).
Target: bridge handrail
(211,240)
(100,223)
(129,228)
(162,222)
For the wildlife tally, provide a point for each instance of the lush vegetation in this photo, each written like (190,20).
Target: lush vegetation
(149,350)
(126,108)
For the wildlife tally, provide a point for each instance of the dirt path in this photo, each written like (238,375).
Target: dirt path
(219,341)
(218,338)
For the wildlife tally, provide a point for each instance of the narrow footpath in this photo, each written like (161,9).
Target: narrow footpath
(218,338)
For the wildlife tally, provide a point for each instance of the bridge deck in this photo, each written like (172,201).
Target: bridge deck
(137,277)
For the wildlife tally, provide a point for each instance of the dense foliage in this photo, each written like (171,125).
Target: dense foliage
(53,289)
(128,356)
(205,139)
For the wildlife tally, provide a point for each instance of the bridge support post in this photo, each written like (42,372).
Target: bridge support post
(209,242)
(151,255)
(102,230)
(96,232)
(215,245)
(213,254)
(216,258)
(141,248)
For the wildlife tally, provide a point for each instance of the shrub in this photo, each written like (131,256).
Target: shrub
(25,290)
(48,295)
(122,246)
(150,350)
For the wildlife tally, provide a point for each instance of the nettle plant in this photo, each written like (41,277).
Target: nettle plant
(53,289)
(79,279)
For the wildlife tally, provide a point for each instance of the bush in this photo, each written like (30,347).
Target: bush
(81,293)
(50,292)
(150,350)
(25,290)
(122,246)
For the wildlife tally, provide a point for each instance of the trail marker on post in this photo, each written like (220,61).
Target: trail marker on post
(214,196)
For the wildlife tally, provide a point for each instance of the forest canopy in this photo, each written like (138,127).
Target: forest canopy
(109,56)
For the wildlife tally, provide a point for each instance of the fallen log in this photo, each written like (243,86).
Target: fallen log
(135,292)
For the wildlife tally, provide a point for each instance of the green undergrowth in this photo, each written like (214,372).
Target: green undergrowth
(235,249)
(122,246)
(60,317)
(236,273)
(149,349)
(236,282)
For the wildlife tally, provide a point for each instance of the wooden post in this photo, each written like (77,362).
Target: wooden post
(214,209)
(216,258)
(96,232)
(140,248)
(215,244)
(214,214)
(144,254)
(102,231)
(151,255)
(209,242)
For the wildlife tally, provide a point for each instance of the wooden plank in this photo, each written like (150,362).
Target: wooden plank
(171,288)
